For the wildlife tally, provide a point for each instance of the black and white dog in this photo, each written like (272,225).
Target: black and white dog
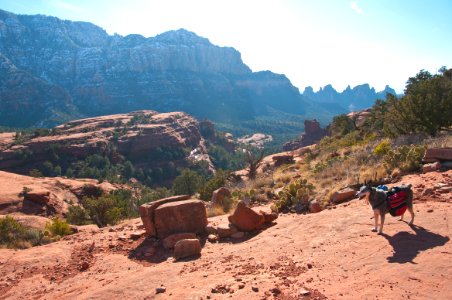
(378,200)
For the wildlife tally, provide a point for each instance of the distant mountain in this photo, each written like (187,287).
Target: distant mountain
(357,98)
(63,70)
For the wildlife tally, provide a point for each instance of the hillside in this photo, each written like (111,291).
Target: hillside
(331,254)
(147,145)
(63,69)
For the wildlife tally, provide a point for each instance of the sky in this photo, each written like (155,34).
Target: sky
(312,42)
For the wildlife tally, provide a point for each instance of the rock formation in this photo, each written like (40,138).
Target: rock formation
(313,133)
(49,66)
(173,215)
(357,98)
(43,196)
(141,137)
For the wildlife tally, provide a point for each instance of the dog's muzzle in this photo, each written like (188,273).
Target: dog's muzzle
(360,195)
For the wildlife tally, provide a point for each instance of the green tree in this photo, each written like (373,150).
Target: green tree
(187,183)
(103,210)
(218,180)
(342,125)
(426,106)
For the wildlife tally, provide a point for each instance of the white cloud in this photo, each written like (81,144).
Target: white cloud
(354,5)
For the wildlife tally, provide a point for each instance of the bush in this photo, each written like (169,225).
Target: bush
(382,149)
(296,194)
(102,211)
(187,183)
(58,227)
(15,235)
(11,231)
(406,158)
(205,192)
(77,215)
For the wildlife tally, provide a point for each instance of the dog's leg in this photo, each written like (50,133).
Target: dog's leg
(401,217)
(382,216)
(410,209)
(376,221)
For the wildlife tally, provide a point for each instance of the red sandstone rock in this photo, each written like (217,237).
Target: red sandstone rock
(179,217)
(226,230)
(170,241)
(246,219)
(38,196)
(147,212)
(219,195)
(343,195)
(187,248)
(431,167)
(435,154)
(315,207)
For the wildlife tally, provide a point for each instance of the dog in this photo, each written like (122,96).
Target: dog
(378,201)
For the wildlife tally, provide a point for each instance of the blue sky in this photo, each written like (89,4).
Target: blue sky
(312,42)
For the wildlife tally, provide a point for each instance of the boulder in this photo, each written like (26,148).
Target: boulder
(343,195)
(38,196)
(211,229)
(269,216)
(170,241)
(179,217)
(212,238)
(147,212)
(431,167)
(187,248)
(226,230)
(315,207)
(435,154)
(219,195)
(137,234)
(246,219)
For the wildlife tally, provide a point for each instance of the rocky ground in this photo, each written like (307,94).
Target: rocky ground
(331,254)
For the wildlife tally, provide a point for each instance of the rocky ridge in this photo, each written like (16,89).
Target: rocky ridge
(61,65)
(44,196)
(141,137)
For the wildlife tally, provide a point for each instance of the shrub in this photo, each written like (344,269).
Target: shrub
(406,158)
(15,235)
(102,211)
(205,192)
(58,227)
(295,194)
(187,183)
(11,231)
(382,148)
(77,215)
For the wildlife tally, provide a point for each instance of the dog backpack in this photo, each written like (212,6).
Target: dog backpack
(397,202)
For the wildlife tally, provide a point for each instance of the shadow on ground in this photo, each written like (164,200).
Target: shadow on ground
(407,245)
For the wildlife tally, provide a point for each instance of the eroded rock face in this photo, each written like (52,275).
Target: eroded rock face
(59,65)
(313,133)
(43,196)
(137,136)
